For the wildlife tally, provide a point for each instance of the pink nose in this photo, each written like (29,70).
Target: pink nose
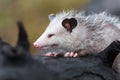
(36,45)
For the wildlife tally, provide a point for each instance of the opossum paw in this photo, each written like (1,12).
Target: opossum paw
(51,54)
(71,54)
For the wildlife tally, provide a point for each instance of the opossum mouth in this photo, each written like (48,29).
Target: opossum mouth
(48,46)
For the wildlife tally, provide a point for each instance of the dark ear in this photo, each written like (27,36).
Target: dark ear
(22,37)
(109,54)
(69,24)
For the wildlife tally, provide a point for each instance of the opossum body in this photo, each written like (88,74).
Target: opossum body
(79,34)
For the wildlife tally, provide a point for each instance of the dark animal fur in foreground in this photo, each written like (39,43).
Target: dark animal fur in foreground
(16,63)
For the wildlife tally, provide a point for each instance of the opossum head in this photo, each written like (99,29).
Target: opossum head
(64,31)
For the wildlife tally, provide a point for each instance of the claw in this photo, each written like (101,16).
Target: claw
(75,55)
(71,54)
(51,54)
(66,54)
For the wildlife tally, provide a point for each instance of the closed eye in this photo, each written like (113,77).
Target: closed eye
(50,35)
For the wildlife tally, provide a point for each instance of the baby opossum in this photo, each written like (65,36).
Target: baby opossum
(79,34)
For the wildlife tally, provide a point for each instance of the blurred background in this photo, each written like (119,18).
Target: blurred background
(33,13)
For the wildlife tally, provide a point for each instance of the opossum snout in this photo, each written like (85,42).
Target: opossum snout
(36,45)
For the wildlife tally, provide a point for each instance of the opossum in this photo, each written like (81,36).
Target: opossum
(79,34)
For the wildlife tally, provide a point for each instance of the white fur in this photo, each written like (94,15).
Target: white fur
(93,32)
